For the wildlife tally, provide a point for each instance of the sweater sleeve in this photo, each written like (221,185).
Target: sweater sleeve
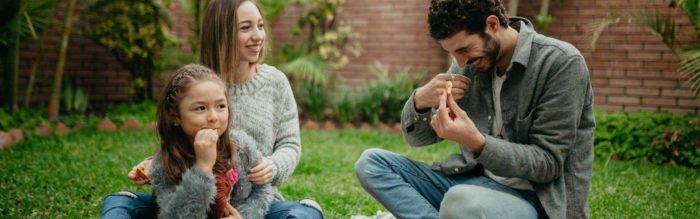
(190,199)
(287,149)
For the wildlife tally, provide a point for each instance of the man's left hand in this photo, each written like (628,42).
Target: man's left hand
(460,129)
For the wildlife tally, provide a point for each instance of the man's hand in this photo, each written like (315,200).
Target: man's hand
(262,173)
(428,95)
(460,129)
(137,178)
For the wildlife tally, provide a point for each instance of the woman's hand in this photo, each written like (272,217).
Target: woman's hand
(262,173)
(205,149)
(232,212)
(137,178)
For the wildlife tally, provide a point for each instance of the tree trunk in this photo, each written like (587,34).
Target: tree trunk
(11,70)
(32,75)
(56,89)
(512,7)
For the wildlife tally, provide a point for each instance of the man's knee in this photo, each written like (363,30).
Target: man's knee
(463,200)
(369,162)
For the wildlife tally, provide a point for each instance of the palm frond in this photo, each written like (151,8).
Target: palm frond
(690,67)
(662,26)
(309,68)
(597,28)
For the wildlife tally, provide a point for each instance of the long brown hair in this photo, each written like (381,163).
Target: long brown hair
(176,149)
(219,38)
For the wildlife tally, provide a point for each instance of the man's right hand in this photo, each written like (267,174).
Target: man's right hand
(428,95)
(145,165)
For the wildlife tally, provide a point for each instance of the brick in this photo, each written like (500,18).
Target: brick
(682,102)
(609,107)
(663,101)
(677,93)
(626,82)
(623,99)
(609,90)
(642,91)
(660,83)
(641,108)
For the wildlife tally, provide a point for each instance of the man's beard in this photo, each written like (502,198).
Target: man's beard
(492,50)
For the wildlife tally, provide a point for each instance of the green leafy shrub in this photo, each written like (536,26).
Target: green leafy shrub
(23,118)
(344,108)
(383,99)
(313,100)
(144,112)
(659,138)
(135,32)
(74,99)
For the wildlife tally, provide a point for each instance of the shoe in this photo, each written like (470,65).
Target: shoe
(312,203)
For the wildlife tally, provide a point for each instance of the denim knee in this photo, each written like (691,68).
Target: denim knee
(463,200)
(470,201)
(129,205)
(292,210)
(368,163)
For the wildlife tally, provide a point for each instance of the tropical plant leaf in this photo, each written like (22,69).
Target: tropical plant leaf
(597,28)
(690,67)
(662,26)
(309,68)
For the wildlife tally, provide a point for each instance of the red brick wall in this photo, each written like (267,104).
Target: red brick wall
(630,68)
(393,32)
(94,68)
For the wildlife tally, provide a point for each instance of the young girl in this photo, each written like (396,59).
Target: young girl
(194,164)
(232,44)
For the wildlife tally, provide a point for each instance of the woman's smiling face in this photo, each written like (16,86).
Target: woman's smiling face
(251,32)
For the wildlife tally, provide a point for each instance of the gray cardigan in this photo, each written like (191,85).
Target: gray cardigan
(195,193)
(547,107)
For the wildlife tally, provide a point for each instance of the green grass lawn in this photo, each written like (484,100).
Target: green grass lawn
(67,176)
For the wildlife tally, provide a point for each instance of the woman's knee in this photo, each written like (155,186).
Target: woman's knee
(293,210)
(127,204)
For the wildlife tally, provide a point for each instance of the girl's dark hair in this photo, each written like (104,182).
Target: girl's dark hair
(176,148)
(448,17)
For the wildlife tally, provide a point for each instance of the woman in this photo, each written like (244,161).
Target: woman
(233,44)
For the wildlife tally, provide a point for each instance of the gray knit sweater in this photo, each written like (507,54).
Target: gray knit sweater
(264,108)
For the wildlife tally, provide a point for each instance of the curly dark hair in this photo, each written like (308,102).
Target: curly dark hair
(448,17)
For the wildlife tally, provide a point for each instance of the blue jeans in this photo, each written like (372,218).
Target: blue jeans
(411,189)
(140,205)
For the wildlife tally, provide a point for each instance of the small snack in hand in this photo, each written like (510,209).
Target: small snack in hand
(141,173)
(448,87)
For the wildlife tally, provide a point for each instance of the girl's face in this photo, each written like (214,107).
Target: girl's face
(251,32)
(203,106)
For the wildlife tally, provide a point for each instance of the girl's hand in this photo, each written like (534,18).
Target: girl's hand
(262,173)
(205,149)
(138,179)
